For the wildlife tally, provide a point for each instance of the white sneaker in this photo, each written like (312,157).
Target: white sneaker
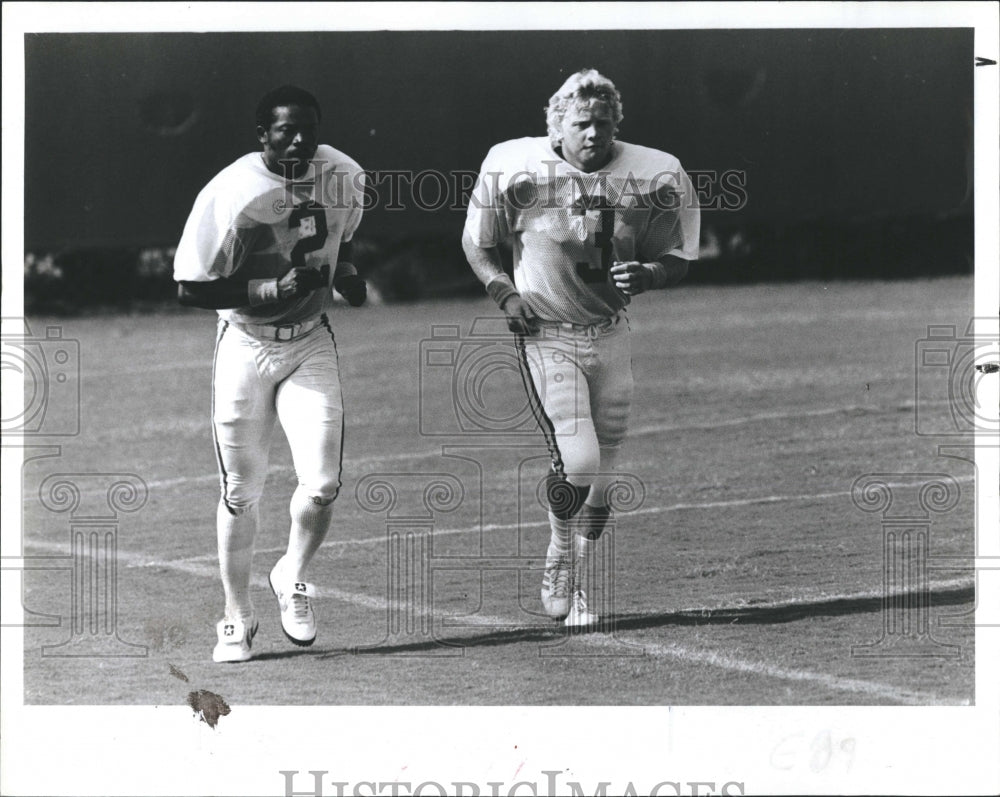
(297,618)
(579,614)
(555,588)
(235,641)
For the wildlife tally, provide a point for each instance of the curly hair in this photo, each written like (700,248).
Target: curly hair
(283,96)
(581,89)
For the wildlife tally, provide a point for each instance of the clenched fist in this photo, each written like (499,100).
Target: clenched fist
(299,281)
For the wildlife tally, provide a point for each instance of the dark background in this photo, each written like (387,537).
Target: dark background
(856,143)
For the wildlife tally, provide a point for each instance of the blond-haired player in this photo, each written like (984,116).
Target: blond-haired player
(592,221)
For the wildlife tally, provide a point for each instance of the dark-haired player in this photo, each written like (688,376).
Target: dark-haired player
(266,244)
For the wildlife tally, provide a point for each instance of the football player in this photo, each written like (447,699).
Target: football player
(266,243)
(592,222)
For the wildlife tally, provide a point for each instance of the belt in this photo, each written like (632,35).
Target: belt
(280,332)
(590,330)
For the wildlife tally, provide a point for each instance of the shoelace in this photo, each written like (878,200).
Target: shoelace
(300,605)
(558,579)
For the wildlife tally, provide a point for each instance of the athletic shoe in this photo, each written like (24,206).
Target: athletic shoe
(555,588)
(235,641)
(297,618)
(579,614)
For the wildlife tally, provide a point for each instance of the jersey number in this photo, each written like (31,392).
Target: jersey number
(310,220)
(588,271)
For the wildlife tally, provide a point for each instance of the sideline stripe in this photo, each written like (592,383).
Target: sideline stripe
(544,523)
(273,470)
(698,656)
(421,455)
(833,683)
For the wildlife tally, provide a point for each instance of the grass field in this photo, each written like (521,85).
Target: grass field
(747,576)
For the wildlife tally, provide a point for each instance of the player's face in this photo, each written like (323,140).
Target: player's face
(293,135)
(587,136)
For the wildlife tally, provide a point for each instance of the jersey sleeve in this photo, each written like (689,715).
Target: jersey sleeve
(215,241)
(675,222)
(485,220)
(356,208)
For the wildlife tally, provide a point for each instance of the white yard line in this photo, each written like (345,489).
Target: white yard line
(833,683)
(697,656)
(543,523)
(417,456)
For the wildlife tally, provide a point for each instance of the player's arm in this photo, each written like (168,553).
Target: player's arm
(633,277)
(346,280)
(487,264)
(673,227)
(227,292)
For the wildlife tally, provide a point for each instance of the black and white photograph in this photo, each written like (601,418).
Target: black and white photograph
(500,398)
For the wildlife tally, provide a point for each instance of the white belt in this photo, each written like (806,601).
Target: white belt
(590,330)
(279,332)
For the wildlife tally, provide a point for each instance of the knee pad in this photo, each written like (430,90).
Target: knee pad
(319,494)
(565,499)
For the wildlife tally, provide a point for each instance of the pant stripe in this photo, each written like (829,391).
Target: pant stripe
(537,409)
(343,425)
(215,437)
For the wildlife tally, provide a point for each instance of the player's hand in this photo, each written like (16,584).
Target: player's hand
(353,288)
(631,277)
(521,319)
(299,281)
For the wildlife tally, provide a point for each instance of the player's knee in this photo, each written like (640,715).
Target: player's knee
(322,493)
(581,465)
(237,508)
(240,497)
(565,499)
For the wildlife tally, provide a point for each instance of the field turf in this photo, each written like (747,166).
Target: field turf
(740,573)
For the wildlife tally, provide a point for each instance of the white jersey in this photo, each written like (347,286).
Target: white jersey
(567,227)
(255,224)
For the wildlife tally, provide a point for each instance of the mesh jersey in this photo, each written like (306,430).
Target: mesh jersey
(567,227)
(250,221)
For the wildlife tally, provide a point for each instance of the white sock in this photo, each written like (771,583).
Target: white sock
(310,524)
(235,535)
(559,541)
(583,562)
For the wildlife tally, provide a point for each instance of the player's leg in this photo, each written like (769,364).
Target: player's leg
(558,389)
(611,389)
(242,421)
(310,408)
